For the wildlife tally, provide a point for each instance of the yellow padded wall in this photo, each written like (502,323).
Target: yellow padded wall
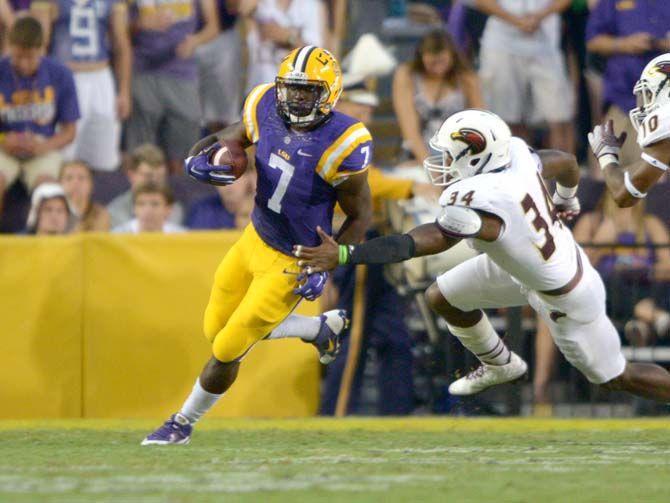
(40,327)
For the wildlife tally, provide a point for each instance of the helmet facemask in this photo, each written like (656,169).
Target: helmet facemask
(645,99)
(440,168)
(302,102)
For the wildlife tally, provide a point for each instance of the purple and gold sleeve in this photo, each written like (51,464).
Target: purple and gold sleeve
(349,154)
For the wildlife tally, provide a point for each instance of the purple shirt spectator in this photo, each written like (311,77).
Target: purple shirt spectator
(39,102)
(20,5)
(209,213)
(621,18)
(155,51)
(80,31)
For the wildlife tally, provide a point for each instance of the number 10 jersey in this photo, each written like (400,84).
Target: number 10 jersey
(534,247)
(298,172)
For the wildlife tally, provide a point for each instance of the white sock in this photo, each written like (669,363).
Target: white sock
(482,340)
(198,403)
(304,327)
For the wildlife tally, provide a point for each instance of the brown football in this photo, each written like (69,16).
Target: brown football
(232,154)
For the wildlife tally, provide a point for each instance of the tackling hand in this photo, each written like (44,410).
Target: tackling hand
(198,166)
(312,286)
(324,257)
(605,144)
(566,208)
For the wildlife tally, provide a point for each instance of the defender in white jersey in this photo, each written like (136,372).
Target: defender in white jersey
(651,119)
(495,198)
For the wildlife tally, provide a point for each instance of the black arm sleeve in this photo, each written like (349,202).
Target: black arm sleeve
(383,250)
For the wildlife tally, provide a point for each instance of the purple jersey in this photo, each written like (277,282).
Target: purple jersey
(298,172)
(81,31)
(155,51)
(39,102)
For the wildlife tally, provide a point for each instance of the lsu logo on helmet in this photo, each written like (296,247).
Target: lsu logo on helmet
(308,85)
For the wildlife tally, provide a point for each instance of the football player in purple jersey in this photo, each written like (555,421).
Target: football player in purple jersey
(308,158)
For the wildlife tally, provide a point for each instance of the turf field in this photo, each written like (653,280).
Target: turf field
(415,460)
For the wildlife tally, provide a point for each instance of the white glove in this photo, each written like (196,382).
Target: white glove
(567,208)
(605,144)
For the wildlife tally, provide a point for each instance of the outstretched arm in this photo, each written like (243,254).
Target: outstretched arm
(562,167)
(426,239)
(559,166)
(626,184)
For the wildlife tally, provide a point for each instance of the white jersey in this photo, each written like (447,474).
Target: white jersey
(655,127)
(534,247)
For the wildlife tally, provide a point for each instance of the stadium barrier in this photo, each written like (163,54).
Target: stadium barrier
(110,326)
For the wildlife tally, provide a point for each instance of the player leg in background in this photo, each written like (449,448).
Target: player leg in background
(458,296)
(586,336)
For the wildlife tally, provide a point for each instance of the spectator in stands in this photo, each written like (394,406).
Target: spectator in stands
(229,208)
(275,28)
(76,178)
(629,34)
(166,108)
(522,65)
(359,102)
(152,204)
(634,269)
(650,324)
(6,19)
(631,231)
(38,109)
(88,38)
(436,84)
(218,61)
(147,164)
(50,211)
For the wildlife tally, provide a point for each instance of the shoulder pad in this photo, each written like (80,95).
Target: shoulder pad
(459,221)
(656,127)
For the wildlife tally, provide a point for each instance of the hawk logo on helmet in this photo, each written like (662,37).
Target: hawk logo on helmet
(475,141)
(663,67)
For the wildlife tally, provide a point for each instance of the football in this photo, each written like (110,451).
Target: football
(232,154)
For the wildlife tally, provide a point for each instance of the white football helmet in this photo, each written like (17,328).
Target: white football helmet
(472,142)
(652,91)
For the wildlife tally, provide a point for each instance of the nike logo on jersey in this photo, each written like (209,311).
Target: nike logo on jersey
(303,153)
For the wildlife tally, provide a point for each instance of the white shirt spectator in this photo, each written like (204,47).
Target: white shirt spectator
(306,16)
(502,36)
(133,227)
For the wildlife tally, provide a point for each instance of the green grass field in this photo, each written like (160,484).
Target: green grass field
(422,460)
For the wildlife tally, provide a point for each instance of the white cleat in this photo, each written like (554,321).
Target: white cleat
(486,376)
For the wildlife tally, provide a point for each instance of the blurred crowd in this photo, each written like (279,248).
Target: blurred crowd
(101,100)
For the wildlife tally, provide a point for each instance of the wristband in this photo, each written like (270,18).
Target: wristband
(607,159)
(343,252)
(655,162)
(631,188)
(566,192)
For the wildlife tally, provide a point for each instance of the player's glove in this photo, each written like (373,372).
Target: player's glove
(605,144)
(198,166)
(312,285)
(567,207)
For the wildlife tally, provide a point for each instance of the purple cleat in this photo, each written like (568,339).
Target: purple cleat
(175,431)
(328,339)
